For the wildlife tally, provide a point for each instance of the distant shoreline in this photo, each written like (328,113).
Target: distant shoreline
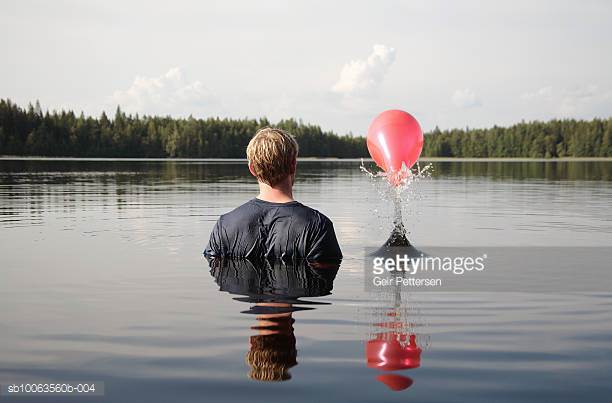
(310,159)
(27,131)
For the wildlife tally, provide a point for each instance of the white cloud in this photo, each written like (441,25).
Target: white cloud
(539,93)
(584,93)
(576,100)
(362,76)
(581,101)
(466,98)
(167,94)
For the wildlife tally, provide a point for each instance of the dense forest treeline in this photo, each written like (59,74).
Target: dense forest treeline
(32,132)
(552,139)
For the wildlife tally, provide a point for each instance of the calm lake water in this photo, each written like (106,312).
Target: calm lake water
(102,279)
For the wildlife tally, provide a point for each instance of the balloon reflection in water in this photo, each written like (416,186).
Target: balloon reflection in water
(394,342)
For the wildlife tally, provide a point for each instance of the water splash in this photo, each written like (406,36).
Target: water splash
(396,314)
(398,188)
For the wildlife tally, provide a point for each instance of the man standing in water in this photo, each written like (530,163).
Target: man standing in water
(274,225)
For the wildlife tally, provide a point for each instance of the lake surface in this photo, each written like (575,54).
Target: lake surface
(102,279)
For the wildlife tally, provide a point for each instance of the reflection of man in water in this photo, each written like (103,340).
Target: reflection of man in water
(274,289)
(272,350)
(273,225)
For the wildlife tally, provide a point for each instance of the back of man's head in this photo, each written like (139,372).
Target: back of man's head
(272,154)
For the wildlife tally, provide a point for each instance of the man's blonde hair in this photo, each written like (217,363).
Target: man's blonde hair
(272,154)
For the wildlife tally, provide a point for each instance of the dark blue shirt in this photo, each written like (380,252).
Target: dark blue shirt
(262,229)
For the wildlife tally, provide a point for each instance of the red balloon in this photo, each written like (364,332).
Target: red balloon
(395,382)
(395,138)
(385,352)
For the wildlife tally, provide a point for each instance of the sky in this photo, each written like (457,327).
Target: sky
(451,64)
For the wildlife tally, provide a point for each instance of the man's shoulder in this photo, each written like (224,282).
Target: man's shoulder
(312,215)
(245,210)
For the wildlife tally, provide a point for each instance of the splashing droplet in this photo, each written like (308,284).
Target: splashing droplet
(397,187)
